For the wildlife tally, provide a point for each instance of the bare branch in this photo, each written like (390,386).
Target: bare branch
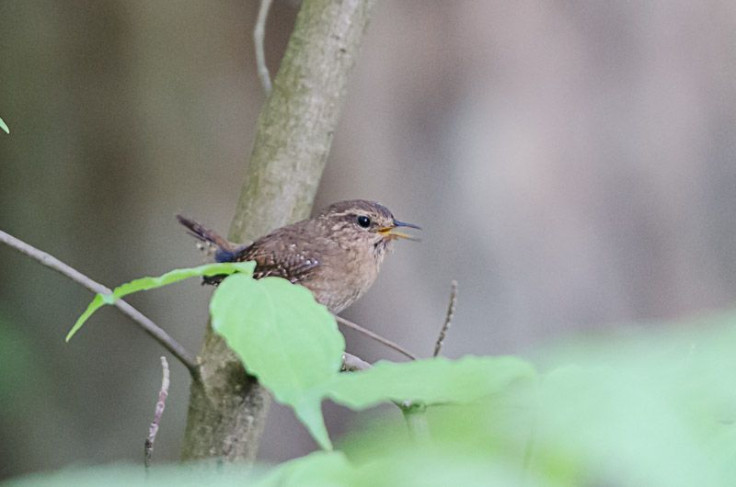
(375,336)
(448,319)
(259,33)
(352,363)
(139,318)
(160,406)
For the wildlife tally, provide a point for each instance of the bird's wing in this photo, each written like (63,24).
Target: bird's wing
(287,252)
(286,263)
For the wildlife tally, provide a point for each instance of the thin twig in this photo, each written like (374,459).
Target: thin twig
(448,319)
(259,33)
(376,337)
(153,330)
(352,363)
(160,406)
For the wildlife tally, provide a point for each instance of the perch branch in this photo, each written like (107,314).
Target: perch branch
(259,33)
(352,363)
(153,330)
(448,319)
(227,409)
(160,406)
(376,337)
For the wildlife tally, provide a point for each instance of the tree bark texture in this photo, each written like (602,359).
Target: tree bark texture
(228,408)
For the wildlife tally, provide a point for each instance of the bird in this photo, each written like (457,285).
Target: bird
(336,254)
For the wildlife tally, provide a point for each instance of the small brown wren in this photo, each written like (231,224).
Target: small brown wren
(336,254)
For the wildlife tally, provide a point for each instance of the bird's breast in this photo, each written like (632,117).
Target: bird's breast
(342,277)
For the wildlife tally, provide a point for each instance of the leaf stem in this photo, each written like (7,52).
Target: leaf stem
(416,420)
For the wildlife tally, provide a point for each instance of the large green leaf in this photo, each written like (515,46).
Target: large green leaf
(433,381)
(285,338)
(147,283)
(292,345)
(4,127)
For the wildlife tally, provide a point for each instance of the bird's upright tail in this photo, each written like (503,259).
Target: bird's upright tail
(224,251)
(203,234)
(214,243)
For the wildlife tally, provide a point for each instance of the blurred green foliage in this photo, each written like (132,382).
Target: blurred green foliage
(20,372)
(641,408)
(292,344)
(432,381)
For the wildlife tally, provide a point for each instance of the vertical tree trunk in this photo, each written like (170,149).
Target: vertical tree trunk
(227,408)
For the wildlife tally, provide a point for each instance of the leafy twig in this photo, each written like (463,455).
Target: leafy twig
(153,330)
(448,319)
(376,337)
(259,33)
(160,406)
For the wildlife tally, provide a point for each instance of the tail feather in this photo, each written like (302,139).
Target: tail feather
(205,234)
(224,250)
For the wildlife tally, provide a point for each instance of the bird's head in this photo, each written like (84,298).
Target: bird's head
(364,224)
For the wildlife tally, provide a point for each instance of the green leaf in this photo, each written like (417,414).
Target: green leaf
(319,469)
(147,283)
(285,338)
(292,345)
(432,381)
(4,127)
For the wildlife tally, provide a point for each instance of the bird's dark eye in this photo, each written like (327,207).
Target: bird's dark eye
(364,221)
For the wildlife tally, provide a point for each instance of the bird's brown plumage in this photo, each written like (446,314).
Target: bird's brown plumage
(336,254)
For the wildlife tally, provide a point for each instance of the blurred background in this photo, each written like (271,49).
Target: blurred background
(572,164)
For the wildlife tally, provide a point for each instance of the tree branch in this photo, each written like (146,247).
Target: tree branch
(385,341)
(153,330)
(352,363)
(227,408)
(296,126)
(259,33)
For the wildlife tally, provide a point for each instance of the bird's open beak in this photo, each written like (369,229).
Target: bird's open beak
(392,233)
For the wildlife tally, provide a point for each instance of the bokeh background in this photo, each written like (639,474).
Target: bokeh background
(572,163)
